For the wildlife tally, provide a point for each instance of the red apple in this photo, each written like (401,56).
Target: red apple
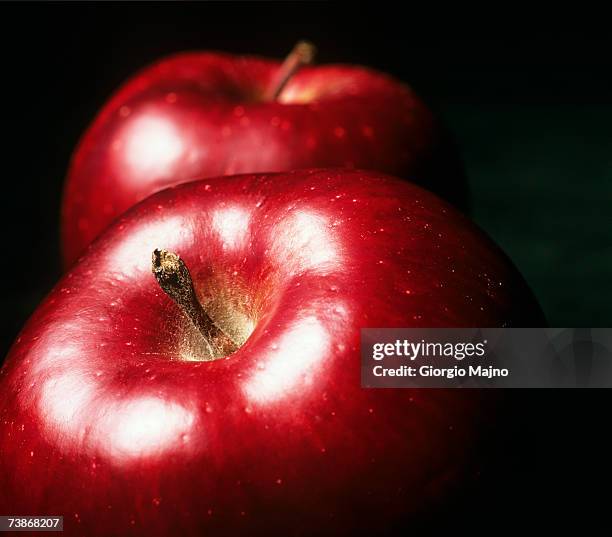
(197,115)
(113,415)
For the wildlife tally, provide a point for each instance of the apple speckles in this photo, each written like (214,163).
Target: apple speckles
(367,132)
(275,121)
(339,309)
(171,97)
(238,111)
(339,132)
(226,131)
(125,111)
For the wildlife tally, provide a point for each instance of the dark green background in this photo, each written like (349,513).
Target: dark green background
(531,110)
(541,185)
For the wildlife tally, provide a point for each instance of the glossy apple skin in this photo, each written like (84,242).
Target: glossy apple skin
(198,115)
(104,418)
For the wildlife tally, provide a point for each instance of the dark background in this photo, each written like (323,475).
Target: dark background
(530,107)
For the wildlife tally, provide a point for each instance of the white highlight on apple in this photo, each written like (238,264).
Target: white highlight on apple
(78,403)
(133,254)
(291,363)
(143,426)
(152,145)
(232,226)
(65,397)
(304,241)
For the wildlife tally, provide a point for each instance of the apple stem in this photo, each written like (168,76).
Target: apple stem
(174,278)
(302,54)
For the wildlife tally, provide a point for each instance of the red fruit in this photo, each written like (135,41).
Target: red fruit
(198,115)
(109,416)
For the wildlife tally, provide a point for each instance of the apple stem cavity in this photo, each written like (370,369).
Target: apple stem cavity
(302,54)
(174,278)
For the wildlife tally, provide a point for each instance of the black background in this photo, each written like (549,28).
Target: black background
(530,106)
